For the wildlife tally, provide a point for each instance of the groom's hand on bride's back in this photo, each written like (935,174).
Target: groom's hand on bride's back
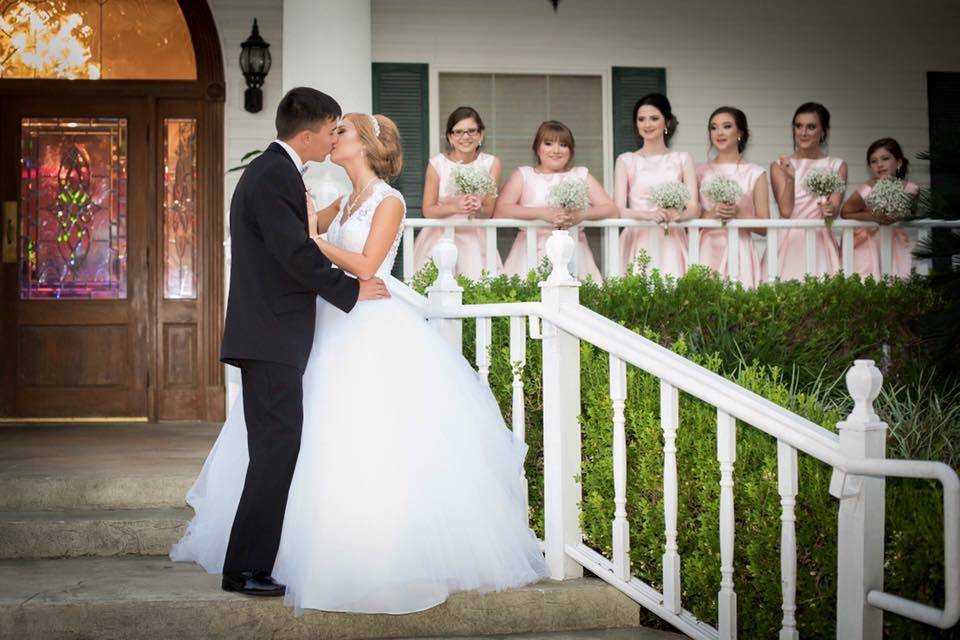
(373,289)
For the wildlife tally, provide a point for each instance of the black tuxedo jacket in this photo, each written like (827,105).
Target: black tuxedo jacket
(276,270)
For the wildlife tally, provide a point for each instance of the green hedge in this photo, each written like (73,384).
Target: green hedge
(790,343)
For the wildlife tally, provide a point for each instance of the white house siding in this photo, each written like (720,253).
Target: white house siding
(245,131)
(866,63)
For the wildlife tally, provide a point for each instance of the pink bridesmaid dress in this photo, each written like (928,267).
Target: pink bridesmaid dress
(470,241)
(713,242)
(536,186)
(866,245)
(791,256)
(643,173)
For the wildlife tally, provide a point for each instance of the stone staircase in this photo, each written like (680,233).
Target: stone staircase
(88,514)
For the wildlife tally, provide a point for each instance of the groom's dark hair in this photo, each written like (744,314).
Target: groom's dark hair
(304,108)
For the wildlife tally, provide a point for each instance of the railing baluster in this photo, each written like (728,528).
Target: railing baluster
(810,251)
(923,266)
(726,455)
(518,359)
(773,250)
(490,236)
(575,261)
(484,337)
(621,528)
(693,244)
(407,253)
(846,251)
(787,486)
(886,249)
(611,252)
(733,252)
(655,238)
(450,233)
(532,262)
(669,420)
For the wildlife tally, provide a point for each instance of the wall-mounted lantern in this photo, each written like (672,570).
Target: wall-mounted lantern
(255,63)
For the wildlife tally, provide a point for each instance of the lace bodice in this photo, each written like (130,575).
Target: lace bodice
(352,234)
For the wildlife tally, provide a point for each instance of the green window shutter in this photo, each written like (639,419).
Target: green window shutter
(629,85)
(943,109)
(400,93)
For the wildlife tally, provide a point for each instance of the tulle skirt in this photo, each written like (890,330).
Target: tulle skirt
(408,483)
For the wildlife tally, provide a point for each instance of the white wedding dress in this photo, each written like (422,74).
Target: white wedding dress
(407,486)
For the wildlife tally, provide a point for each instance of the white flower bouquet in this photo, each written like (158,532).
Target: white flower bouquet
(722,190)
(474,181)
(824,183)
(670,195)
(573,195)
(890,198)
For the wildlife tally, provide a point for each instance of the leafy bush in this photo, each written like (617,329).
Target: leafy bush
(790,343)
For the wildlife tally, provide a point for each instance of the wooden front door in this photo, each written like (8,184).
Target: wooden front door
(110,285)
(74,287)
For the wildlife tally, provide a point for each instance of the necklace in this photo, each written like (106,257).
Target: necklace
(352,206)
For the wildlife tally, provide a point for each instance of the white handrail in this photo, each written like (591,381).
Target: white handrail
(611,228)
(565,316)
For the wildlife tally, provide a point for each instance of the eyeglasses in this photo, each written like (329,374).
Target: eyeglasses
(459,133)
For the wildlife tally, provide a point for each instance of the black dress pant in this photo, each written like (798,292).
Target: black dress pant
(273,411)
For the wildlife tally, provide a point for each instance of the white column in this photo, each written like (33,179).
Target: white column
(861,519)
(561,409)
(326,45)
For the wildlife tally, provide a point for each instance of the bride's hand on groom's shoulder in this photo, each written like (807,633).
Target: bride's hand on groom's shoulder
(373,289)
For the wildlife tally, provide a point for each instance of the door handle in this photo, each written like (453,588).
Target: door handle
(9,231)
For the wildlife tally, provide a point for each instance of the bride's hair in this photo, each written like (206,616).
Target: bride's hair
(382,148)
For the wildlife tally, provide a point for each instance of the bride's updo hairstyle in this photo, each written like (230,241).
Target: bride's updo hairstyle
(382,149)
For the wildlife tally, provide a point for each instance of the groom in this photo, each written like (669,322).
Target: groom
(276,273)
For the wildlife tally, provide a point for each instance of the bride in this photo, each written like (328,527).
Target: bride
(407,486)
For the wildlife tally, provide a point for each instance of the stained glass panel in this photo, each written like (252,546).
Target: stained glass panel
(73,190)
(180,208)
(94,39)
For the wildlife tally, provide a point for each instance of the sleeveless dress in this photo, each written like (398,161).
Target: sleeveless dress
(866,245)
(713,242)
(643,173)
(407,486)
(791,256)
(536,186)
(471,242)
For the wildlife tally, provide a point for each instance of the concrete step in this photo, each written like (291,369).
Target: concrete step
(56,467)
(69,534)
(147,598)
(37,492)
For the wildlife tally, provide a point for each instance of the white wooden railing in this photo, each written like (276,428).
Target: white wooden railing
(609,261)
(856,456)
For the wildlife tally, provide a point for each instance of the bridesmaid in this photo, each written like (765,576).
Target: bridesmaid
(811,125)
(440,199)
(524,196)
(638,171)
(729,135)
(886,160)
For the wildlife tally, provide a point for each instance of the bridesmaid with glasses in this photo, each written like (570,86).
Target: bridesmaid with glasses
(464,134)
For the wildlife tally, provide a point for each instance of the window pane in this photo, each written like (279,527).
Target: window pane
(513,106)
(180,208)
(73,194)
(93,39)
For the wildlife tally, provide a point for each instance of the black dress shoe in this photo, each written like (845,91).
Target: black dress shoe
(252,583)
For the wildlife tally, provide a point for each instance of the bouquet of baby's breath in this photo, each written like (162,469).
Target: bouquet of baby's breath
(573,194)
(474,181)
(824,183)
(722,190)
(889,197)
(670,195)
